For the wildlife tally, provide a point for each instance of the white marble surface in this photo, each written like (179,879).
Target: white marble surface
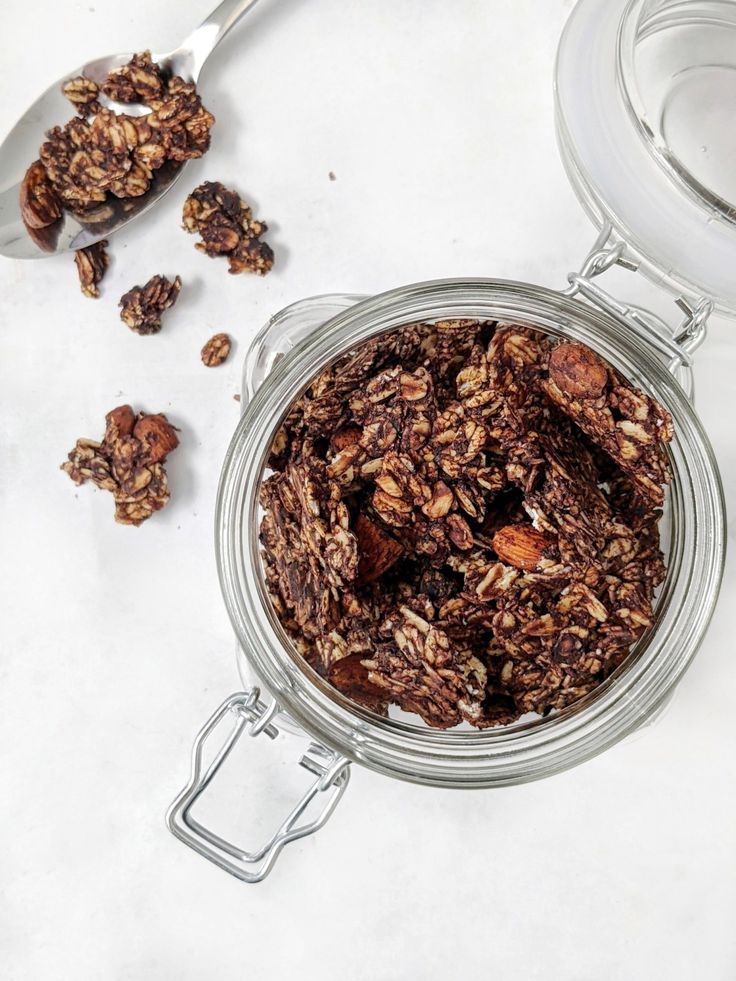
(436,119)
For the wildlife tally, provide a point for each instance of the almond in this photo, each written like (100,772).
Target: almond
(343,438)
(577,371)
(158,433)
(350,676)
(377,550)
(522,546)
(122,418)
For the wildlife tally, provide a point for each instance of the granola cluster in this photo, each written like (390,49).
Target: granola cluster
(227,227)
(100,152)
(142,307)
(92,263)
(462,520)
(129,462)
(215,352)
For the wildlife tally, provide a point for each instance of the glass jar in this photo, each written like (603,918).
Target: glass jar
(284,694)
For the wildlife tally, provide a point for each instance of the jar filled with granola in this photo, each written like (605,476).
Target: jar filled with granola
(470,533)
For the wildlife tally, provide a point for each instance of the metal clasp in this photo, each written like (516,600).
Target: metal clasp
(253,716)
(677,345)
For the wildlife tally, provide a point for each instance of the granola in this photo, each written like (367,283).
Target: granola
(128,462)
(91,265)
(216,350)
(100,155)
(227,227)
(462,520)
(142,307)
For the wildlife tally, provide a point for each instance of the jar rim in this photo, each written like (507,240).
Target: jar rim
(524,751)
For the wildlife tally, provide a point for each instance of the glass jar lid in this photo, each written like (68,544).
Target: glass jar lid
(644,94)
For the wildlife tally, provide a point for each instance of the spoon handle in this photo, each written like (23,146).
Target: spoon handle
(205,38)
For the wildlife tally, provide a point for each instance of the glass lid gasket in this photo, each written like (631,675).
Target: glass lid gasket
(497,756)
(675,236)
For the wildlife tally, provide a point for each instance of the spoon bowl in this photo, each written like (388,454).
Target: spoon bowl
(20,147)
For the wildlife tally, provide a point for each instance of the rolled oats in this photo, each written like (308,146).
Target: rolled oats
(463,521)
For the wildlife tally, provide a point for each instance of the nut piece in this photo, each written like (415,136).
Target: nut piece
(128,463)
(377,550)
(158,437)
(40,205)
(143,305)
(522,546)
(577,371)
(216,350)
(119,422)
(227,227)
(91,265)
(349,676)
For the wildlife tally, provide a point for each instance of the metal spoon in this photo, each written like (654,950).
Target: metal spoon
(20,147)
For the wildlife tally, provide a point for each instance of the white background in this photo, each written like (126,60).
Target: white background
(436,119)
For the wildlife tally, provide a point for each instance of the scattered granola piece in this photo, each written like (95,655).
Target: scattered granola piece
(463,521)
(142,307)
(216,350)
(91,265)
(128,462)
(227,227)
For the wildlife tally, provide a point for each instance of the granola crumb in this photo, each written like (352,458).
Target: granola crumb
(143,306)
(92,262)
(227,227)
(331,175)
(216,350)
(128,462)
(462,520)
(236,397)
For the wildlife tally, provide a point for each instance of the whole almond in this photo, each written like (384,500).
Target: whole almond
(122,418)
(159,434)
(522,546)
(377,550)
(577,371)
(343,438)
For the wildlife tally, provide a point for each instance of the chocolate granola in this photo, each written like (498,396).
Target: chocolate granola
(227,227)
(100,153)
(128,462)
(92,263)
(215,352)
(462,520)
(141,308)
